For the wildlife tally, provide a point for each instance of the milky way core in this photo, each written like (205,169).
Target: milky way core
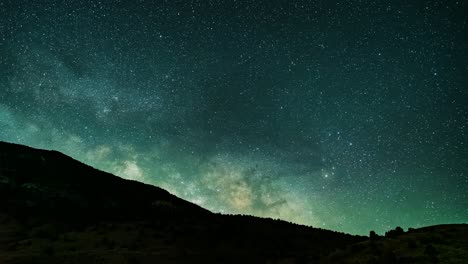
(344,115)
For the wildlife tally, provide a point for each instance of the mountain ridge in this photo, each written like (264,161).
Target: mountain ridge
(55,209)
(53,166)
(50,196)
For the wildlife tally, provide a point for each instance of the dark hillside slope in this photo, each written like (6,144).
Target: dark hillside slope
(53,183)
(54,209)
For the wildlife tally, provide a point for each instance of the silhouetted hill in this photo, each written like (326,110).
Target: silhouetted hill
(54,209)
(51,183)
(432,244)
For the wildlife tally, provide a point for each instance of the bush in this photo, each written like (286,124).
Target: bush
(399,230)
(395,232)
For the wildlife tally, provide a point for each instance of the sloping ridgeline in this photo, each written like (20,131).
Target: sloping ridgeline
(54,209)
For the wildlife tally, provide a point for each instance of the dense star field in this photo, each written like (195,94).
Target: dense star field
(347,115)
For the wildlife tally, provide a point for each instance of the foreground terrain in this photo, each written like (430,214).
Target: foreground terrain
(54,209)
(432,244)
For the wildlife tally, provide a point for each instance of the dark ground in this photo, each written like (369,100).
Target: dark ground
(54,209)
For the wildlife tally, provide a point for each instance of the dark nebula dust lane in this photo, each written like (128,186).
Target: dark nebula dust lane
(344,115)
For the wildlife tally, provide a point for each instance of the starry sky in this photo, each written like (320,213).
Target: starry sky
(344,115)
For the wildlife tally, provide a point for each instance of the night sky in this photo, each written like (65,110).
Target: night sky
(348,115)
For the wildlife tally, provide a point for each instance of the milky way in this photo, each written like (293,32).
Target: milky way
(348,115)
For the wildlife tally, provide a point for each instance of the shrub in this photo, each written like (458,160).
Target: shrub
(395,232)
(399,230)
